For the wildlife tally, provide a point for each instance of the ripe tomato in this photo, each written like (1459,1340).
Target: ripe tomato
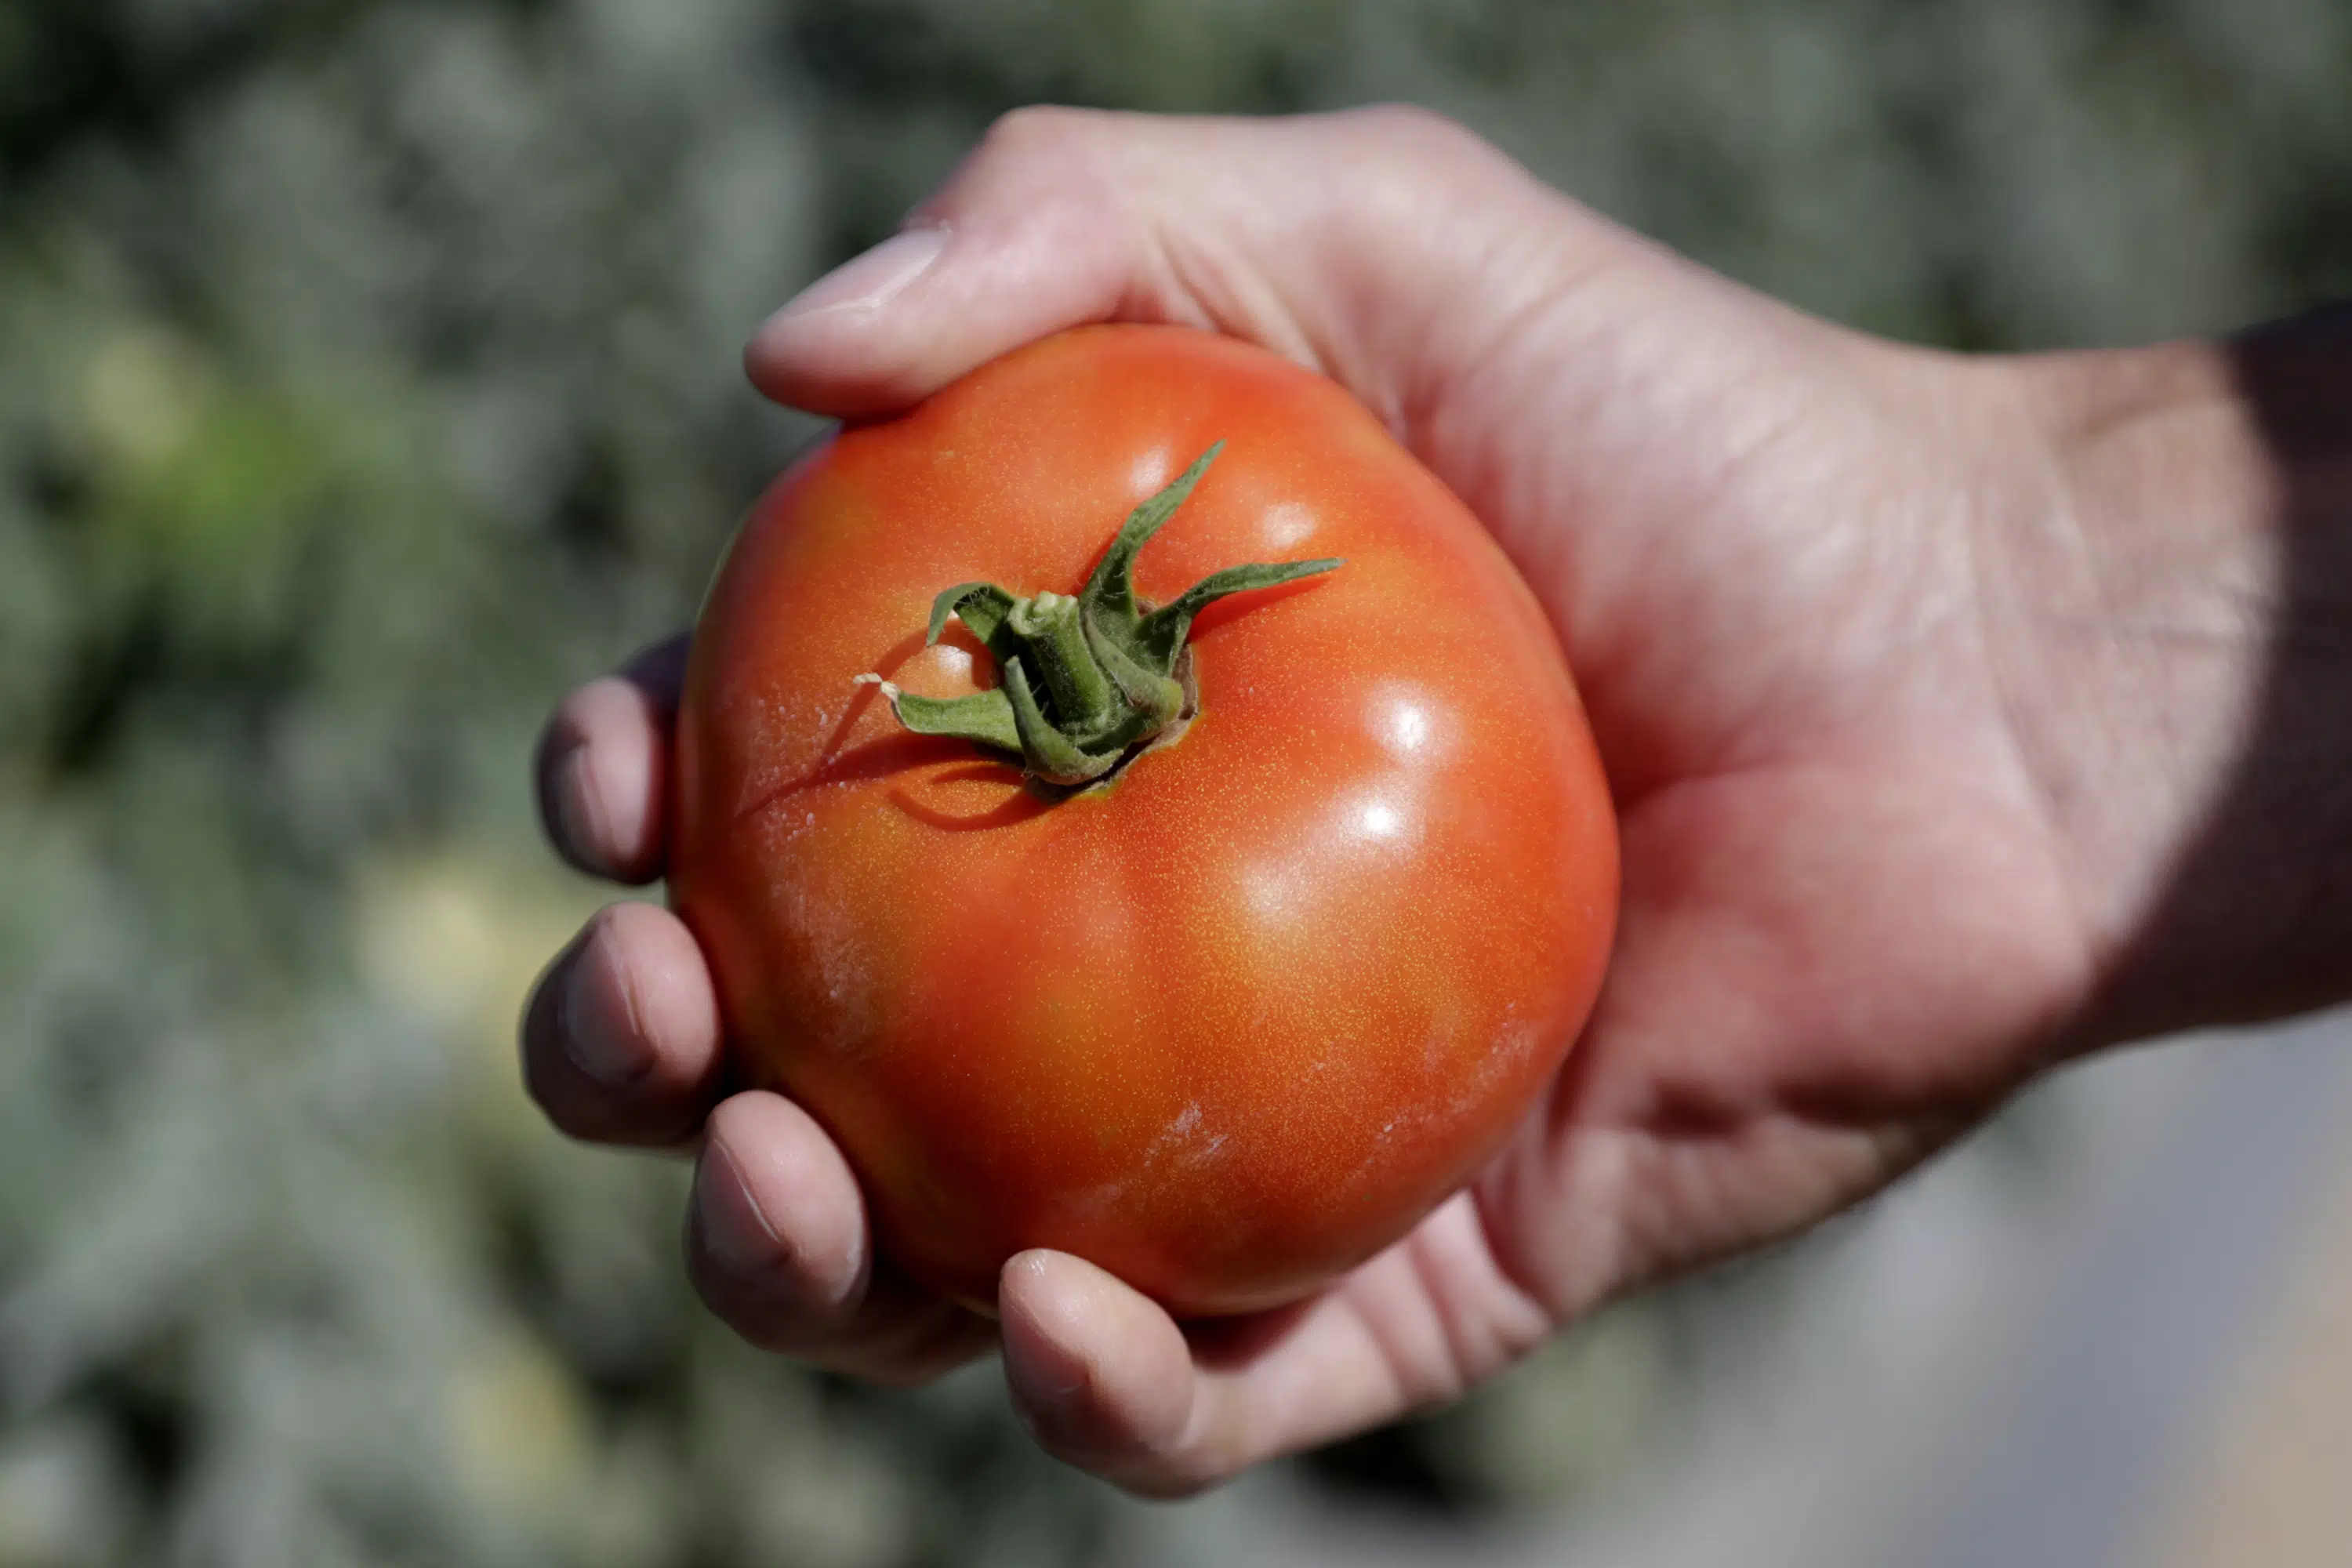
(1230,1020)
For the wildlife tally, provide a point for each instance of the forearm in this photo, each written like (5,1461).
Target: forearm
(2174,631)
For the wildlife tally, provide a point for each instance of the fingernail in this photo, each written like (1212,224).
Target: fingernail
(866,281)
(610,1050)
(577,810)
(727,1220)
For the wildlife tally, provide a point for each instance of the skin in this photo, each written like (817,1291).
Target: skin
(1963,715)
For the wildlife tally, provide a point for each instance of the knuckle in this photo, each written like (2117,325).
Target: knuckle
(1042,131)
(1430,141)
(1410,121)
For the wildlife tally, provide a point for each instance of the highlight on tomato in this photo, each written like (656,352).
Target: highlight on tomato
(1135,808)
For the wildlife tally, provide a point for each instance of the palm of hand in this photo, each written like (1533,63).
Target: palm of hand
(1841,904)
(1844,932)
(1841,900)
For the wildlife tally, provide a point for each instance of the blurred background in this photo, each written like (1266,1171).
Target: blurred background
(368,373)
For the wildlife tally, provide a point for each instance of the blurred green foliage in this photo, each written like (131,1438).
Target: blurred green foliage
(368,372)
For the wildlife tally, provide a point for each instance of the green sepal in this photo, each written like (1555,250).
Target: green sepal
(982,607)
(1158,697)
(1111,590)
(1162,632)
(984,716)
(1050,754)
(1107,668)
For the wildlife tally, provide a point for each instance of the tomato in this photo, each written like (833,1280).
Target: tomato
(1229,1018)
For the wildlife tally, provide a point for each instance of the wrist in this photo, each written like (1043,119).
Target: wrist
(2155,605)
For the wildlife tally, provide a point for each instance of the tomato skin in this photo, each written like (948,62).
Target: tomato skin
(1232,1024)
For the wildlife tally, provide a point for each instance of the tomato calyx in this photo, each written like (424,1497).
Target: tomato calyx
(1085,680)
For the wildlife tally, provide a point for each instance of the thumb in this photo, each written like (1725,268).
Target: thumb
(1388,248)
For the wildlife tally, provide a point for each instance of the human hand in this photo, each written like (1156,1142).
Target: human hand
(1784,561)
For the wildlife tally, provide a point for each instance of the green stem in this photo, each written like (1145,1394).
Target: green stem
(1109,663)
(1086,704)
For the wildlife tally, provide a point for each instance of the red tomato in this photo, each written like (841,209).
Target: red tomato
(1230,1022)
